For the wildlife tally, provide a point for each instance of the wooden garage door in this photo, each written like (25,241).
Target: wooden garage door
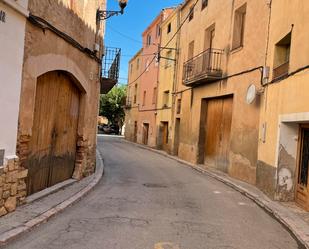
(54,133)
(217,130)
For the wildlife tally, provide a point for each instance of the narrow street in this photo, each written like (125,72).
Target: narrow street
(147,201)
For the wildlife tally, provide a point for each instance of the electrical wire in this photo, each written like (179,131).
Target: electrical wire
(129,55)
(45,25)
(124,35)
(129,37)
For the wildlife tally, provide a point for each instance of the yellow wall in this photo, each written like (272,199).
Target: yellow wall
(132,108)
(166,76)
(245,121)
(285,103)
(289,95)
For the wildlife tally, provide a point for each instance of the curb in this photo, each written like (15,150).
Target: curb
(299,229)
(44,217)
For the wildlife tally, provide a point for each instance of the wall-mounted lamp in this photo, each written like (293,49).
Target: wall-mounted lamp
(105,14)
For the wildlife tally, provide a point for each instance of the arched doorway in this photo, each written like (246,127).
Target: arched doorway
(52,147)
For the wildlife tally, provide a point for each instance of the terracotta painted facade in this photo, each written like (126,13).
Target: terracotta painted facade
(149,82)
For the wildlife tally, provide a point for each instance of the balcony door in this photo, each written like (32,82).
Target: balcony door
(208,45)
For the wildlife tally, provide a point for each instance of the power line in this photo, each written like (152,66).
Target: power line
(129,55)
(129,37)
(124,35)
(160,49)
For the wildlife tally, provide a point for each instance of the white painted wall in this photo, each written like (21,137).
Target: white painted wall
(12,35)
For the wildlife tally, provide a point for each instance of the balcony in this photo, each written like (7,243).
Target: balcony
(203,68)
(110,69)
(281,71)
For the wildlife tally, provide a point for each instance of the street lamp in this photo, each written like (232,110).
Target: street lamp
(105,14)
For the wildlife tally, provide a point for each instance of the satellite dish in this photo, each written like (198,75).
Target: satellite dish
(251,94)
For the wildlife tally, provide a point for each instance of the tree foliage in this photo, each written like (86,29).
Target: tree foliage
(112,105)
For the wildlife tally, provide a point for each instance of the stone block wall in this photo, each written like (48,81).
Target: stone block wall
(12,186)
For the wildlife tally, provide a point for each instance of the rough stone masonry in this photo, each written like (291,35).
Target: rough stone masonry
(12,186)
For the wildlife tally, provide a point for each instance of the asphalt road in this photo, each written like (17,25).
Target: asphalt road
(147,201)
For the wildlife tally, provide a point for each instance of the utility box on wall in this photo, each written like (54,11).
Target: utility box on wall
(1,157)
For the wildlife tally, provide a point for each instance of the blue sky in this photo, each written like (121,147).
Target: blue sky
(125,31)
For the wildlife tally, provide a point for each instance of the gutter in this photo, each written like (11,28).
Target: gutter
(15,6)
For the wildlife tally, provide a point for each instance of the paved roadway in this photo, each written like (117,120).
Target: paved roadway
(147,201)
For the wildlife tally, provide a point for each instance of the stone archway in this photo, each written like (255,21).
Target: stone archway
(52,146)
(34,68)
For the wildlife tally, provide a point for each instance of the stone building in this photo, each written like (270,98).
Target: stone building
(222,52)
(239,99)
(282,170)
(146,132)
(167,80)
(133,100)
(13,16)
(55,49)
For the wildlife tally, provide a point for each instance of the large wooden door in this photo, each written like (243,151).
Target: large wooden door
(217,130)
(145,133)
(302,188)
(135,132)
(54,132)
(165,136)
(177,134)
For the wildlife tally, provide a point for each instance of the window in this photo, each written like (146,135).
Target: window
(147,65)
(169,59)
(178,106)
(131,68)
(191,50)
(169,28)
(209,37)
(191,13)
(239,27)
(154,96)
(144,98)
(282,57)
(135,93)
(204,4)
(166,98)
(129,95)
(137,63)
(148,40)
(158,30)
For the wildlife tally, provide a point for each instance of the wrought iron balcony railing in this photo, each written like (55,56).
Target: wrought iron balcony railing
(110,68)
(281,70)
(203,68)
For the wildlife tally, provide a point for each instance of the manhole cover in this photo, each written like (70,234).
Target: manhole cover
(154,185)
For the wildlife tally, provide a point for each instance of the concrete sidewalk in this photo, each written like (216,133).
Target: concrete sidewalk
(292,217)
(40,210)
